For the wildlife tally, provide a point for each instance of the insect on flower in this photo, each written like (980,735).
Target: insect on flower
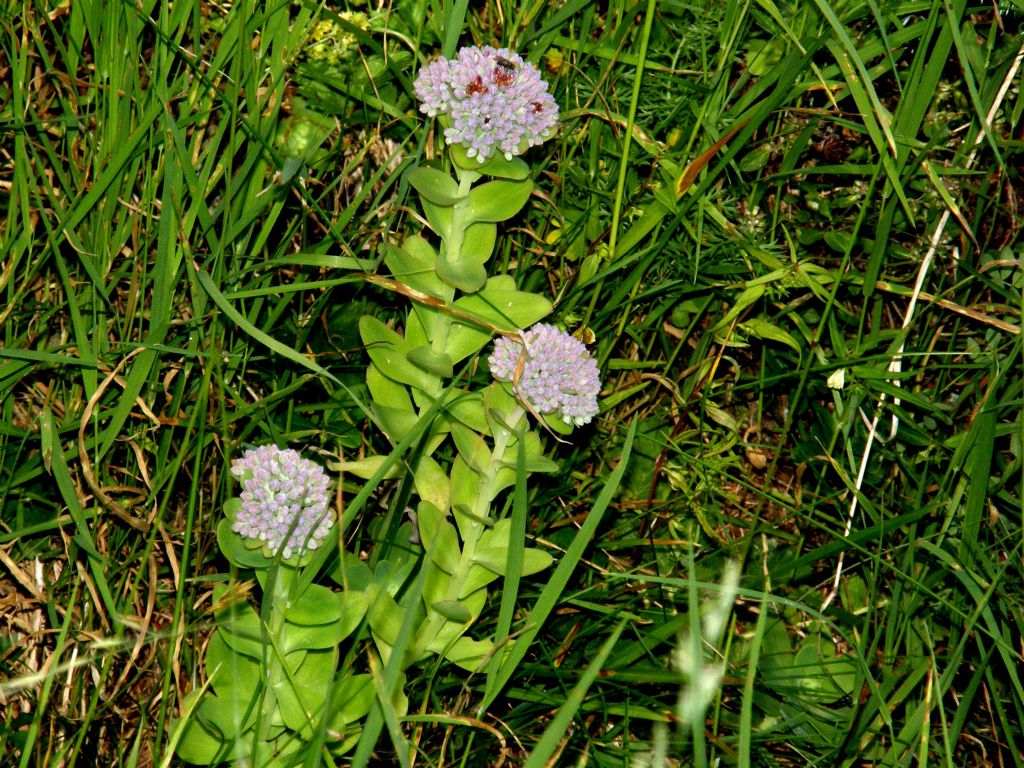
(477,86)
(504,72)
(489,100)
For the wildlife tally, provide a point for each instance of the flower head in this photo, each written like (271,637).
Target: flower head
(557,373)
(284,500)
(489,99)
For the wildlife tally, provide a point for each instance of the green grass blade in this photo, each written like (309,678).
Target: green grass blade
(555,733)
(556,585)
(263,338)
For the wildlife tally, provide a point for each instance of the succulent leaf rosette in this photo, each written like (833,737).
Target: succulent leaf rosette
(283,505)
(554,373)
(488,100)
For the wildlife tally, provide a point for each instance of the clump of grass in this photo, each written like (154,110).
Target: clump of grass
(791,234)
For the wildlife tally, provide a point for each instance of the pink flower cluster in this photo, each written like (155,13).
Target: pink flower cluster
(489,100)
(284,500)
(555,372)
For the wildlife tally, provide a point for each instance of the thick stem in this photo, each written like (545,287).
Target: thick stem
(481,507)
(451,246)
(279,581)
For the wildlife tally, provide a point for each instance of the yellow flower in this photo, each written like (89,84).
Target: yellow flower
(330,43)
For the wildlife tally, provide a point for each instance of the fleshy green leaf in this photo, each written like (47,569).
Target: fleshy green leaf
(472,447)
(302,695)
(468,653)
(413,265)
(498,200)
(438,537)
(394,363)
(297,637)
(387,392)
(504,478)
(536,461)
(465,486)
(432,483)
(374,332)
(497,535)
(395,422)
(431,362)
(478,243)
(439,217)
(492,551)
(234,546)
(231,674)
(389,353)
(496,559)
(239,625)
(351,700)
(435,583)
(202,743)
(421,325)
(467,276)
(500,304)
(496,165)
(453,610)
(232,718)
(197,744)
(316,605)
(385,615)
(367,468)
(500,408)
(434,185)
(477,578)
(351,573)
(393,573)
(451,630)
(353,610)
(467,408)
(555,423)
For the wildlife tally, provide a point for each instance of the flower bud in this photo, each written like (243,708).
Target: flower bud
(284,500)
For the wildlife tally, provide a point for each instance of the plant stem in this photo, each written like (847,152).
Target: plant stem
(277,592)
(481,506)
(451,246)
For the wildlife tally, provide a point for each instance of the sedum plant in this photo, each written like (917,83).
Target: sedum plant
(274,689)
(492,106)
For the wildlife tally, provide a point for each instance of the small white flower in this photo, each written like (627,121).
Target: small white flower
(837,379)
